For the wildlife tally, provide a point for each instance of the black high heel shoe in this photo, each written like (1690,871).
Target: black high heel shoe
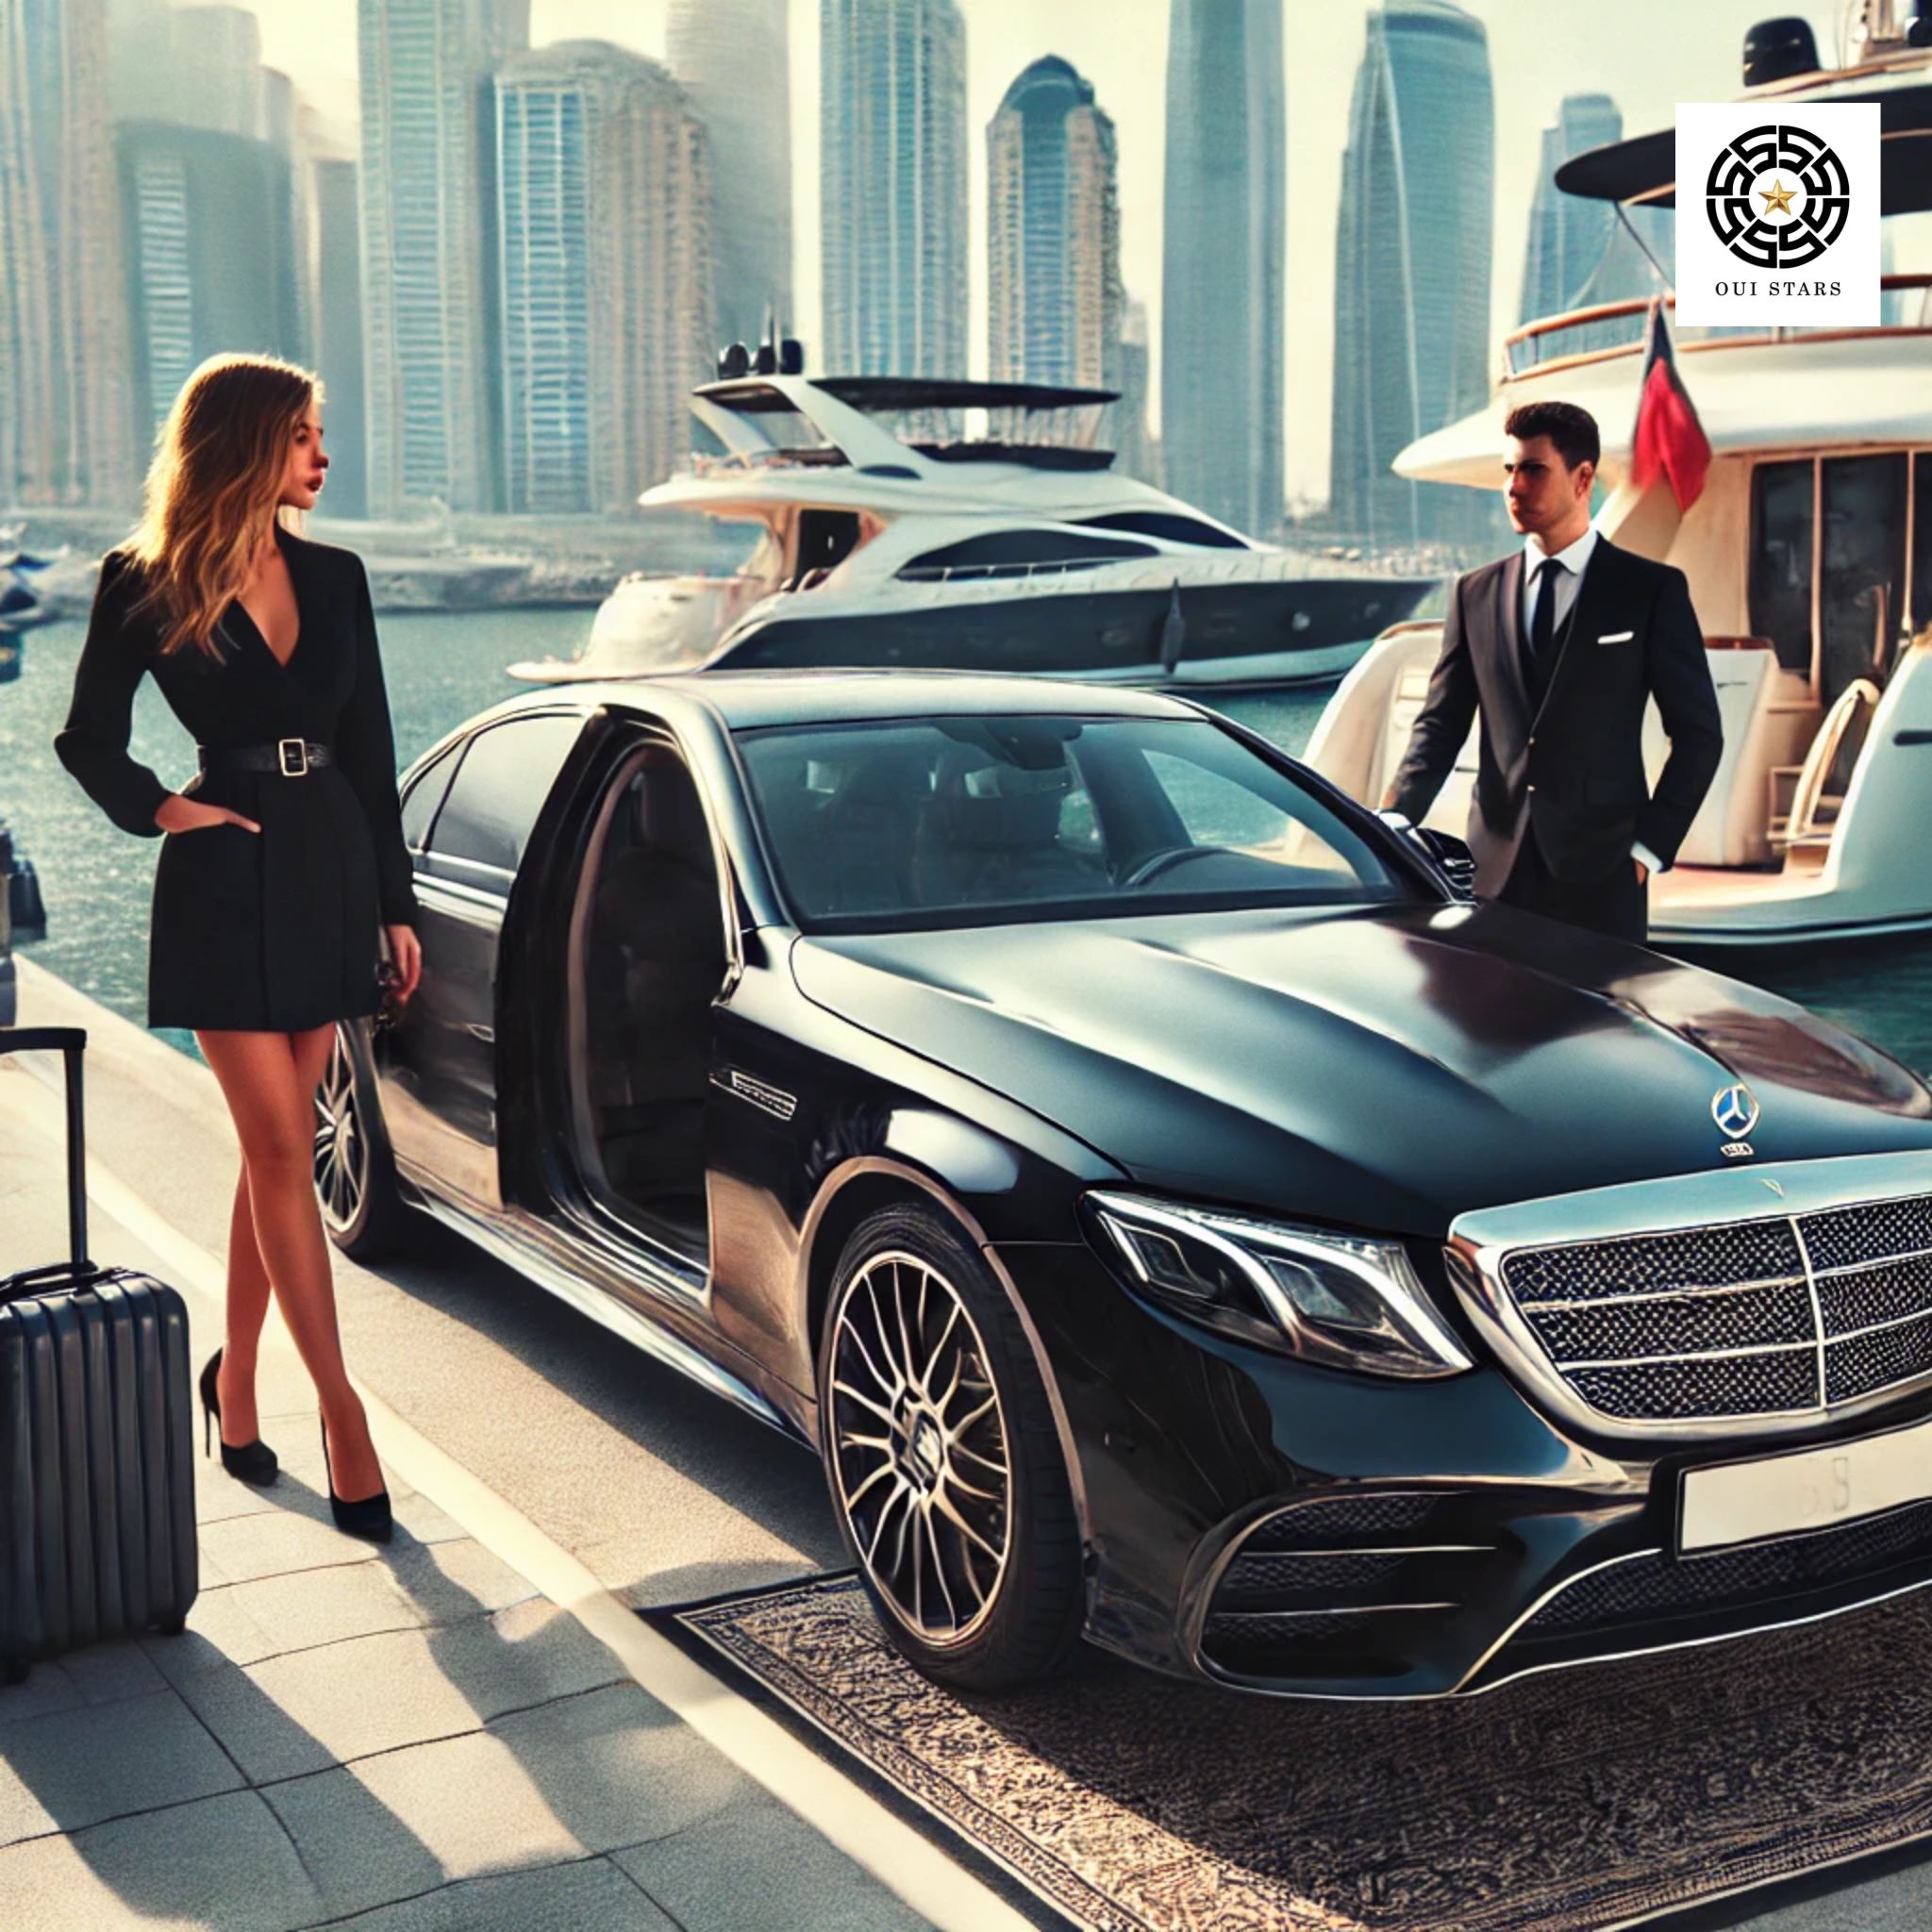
(366,1516)
(253,1462)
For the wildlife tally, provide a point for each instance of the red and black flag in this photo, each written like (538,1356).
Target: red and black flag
(1668,440)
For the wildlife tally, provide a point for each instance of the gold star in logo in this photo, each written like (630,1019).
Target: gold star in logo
(1777,196)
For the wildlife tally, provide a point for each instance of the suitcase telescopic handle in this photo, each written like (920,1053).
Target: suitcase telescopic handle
(70,1043)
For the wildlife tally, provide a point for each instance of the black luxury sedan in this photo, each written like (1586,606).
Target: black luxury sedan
(1176,1213)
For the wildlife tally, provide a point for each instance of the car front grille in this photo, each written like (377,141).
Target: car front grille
(1782,1315)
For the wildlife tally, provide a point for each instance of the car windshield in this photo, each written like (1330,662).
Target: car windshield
(943,821)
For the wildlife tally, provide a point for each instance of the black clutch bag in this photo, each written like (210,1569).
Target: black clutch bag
(389,1008)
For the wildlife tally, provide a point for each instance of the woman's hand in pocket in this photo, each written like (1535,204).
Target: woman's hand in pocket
(178,814)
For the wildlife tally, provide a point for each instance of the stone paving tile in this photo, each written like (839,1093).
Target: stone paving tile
(305,1711)
(75,1768)
(275,1544)
(579,1776)
(110,1672)
(591,1893)
(220,1862)
(749,1869)
(416,1584)
(47,1687)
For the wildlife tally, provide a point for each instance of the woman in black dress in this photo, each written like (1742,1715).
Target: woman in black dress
(282,856)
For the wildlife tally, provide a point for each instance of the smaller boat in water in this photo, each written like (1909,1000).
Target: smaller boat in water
(892,537)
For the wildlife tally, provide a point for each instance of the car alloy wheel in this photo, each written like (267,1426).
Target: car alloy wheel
(341,1148)
(921,1465)
(945,1466)
(362,1212)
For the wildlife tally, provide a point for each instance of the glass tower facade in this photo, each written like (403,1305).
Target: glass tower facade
(428,245)
(66,405)
(893,189)
(733,58)
(1412,270)
(1224,248)
(1053,233)
(606,273)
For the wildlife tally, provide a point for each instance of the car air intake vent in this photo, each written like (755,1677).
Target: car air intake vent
(1781,1316)
(1338,1586)
(1883,1549)
(1333,1523)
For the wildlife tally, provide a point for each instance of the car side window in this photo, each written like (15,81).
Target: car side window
(425,794)
(500,787)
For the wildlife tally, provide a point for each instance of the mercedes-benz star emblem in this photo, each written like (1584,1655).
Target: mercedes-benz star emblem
(1735,1111)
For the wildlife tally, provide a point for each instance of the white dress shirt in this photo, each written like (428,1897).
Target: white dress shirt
(1576,560)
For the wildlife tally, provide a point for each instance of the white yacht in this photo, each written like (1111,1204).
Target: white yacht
(1808,555)
(893,536)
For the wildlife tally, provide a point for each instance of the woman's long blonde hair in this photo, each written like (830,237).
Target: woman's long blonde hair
(213,489)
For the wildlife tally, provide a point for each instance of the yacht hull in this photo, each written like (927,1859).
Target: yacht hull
(1225,633)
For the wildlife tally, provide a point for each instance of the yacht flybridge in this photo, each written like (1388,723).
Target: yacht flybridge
(893,537)
(1809,553)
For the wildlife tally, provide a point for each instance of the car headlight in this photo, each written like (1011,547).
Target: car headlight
(1346,1301)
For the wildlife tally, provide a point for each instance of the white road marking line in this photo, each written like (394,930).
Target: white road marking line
(869,1835)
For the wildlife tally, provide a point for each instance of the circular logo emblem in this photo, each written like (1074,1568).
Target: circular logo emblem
(1777,196)
(1735,1111)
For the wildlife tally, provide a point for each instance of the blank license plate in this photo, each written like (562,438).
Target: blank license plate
(1807,1488)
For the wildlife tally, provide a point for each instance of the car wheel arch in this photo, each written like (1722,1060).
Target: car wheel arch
(860,1187)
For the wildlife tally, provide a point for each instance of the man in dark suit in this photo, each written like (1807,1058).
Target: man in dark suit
(1560,648)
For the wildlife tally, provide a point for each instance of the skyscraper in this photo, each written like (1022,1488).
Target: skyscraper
(1226,240)
(66,409)
(1411,268)
(733,58)
(337,323)
(892,187)
(1579,253)
(189,192)
(1136,452)
(1053,233)
(606,274)
(428,244)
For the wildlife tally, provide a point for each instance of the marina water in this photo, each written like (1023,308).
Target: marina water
(443,666)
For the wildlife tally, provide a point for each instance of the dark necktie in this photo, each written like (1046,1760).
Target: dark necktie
(1542,622)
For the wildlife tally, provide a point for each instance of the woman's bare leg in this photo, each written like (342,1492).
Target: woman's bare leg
(269,1081)
(249,1297)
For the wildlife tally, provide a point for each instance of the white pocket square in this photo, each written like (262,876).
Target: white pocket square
(1616,637)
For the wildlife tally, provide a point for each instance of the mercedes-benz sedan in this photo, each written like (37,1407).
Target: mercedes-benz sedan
(1172,1211)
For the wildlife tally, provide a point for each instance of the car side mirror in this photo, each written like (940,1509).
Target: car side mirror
(1447,856)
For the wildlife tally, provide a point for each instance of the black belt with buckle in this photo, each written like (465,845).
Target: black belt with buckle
(291,758)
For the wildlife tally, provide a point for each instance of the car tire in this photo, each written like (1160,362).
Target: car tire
(362,1209)
(943,1464)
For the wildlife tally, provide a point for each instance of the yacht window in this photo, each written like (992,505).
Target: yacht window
(1171,528)
(826,539)
(505,777)
(1005,550)
(1781,525)
(1862,577)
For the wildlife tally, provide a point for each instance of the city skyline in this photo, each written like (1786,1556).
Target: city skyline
(1534,67)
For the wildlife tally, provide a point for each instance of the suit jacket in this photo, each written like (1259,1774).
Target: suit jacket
(1570,771)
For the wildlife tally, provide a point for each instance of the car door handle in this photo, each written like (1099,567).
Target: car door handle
(486,1034)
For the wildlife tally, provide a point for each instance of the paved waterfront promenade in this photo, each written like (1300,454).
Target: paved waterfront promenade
(452,1732)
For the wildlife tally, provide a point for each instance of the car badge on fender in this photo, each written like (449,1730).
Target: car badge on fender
(1735,1111)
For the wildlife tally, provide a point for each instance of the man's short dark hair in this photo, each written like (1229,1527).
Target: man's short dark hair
(1573,430)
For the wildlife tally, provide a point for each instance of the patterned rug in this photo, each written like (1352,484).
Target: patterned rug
(1592,1798)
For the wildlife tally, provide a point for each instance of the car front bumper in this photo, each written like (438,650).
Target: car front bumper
(1262,1524)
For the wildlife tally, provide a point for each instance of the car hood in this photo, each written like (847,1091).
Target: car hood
(1379,1069)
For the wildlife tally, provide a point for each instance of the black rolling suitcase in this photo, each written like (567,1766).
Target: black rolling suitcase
(96,1438)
